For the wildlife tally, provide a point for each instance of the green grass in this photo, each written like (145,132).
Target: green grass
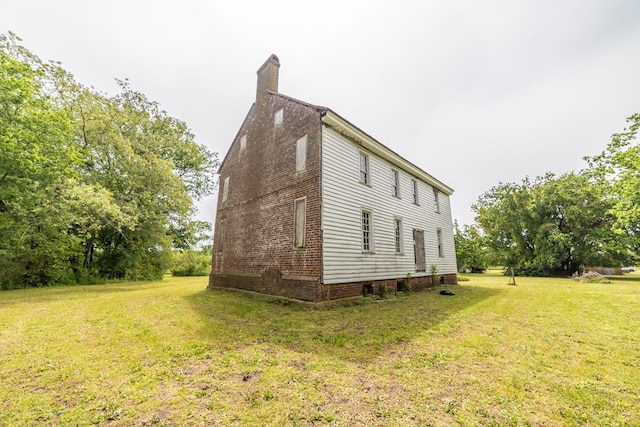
(546,352)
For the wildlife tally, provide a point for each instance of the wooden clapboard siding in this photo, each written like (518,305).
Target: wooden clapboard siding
(344,198)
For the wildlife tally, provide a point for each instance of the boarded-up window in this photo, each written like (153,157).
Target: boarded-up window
(418,250)
(301,154)
(300,222)
(220,237)
(225,189)
(398,234)
(436,200)
(367,235)
(440,248)
(395,183)
(277,119)
(364,168)
(414,189)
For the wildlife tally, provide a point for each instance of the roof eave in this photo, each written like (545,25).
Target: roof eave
(366,141)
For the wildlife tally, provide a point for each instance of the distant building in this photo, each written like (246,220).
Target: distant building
(311,207)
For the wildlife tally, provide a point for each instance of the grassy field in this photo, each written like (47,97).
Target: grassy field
(546,352)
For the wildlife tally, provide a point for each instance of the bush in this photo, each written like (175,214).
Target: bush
(191,263)
(590,277)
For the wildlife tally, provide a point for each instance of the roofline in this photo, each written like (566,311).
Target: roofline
(360,137)
(235,137)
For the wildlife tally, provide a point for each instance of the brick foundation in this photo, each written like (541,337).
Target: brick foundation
(273,283)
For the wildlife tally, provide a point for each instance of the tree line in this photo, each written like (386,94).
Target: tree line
(92,187)
(558,225)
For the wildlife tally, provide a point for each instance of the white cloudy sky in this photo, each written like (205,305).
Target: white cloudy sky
(475,93)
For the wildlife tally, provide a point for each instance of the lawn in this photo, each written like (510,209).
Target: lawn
(546,352)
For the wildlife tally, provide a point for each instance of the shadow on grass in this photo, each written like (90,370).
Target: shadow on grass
(634,278)
(356,332)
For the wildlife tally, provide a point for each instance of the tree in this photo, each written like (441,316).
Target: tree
(618,169)
(471,249)
(552,226)
(90,185)
(38,163)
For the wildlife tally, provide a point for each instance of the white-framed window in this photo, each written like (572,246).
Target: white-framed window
(225,189)
(414,191)
(301,154)
(365,176)
(395,183)
(397,225)
(436,200)
(300,222)
(243,143)
(277,119)
(367,231)
(440,247)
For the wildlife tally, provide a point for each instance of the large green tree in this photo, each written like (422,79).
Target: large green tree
(472,253)
(91,186)
(618,169)
(38,165)
(552,225)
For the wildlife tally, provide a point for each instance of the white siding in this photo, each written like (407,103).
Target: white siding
(344,198)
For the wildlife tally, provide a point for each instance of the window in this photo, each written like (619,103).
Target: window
(220,237)
(367,235)
(225,189)
(414,191)
(277,119)
(436,200)
(395,183)
(440,248)
(364,169)
(243,143)
(301,154)
(398,234)
(300,221)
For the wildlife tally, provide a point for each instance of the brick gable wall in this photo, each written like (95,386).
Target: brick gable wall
(258,249)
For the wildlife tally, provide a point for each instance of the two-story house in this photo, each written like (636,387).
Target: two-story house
(311,207)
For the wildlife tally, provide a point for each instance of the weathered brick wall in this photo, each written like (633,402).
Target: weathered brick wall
(259,210)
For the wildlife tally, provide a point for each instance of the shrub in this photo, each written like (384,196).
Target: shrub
(590,277)
(191,263)
(383,290)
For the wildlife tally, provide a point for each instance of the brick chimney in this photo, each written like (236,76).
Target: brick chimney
(267,78)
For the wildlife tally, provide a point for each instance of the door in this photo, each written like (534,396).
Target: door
(418,250)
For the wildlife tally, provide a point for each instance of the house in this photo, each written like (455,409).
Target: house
(311,207)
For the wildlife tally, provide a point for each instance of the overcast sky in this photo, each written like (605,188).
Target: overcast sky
(475,93)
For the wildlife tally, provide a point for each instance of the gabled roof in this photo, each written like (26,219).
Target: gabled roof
(357,135)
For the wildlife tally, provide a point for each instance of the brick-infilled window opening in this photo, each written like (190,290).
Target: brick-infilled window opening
(364,169)
(367,240)
(277,119)
(301,154)
(300,222)
(414,189)
(220,238)
(225,189)
(395,183)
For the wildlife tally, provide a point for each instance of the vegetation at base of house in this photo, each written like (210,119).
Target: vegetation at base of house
(557,225)
(92,187)
(546,352)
